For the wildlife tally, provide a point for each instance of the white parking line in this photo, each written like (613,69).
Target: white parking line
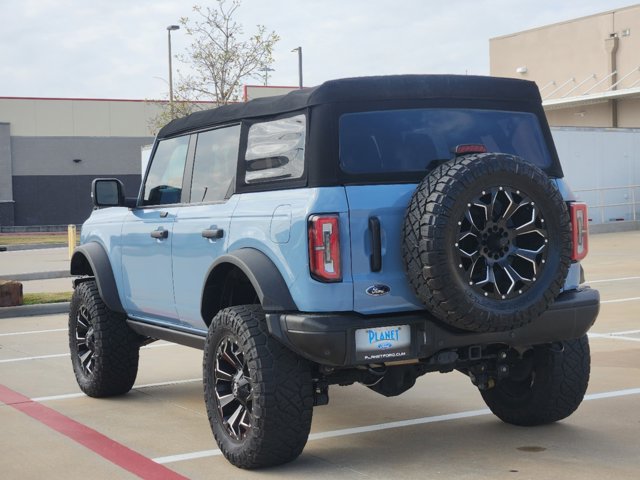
(31,332)
(613,337)
(621,300)
(39,357)
(386,426)
(59,355)
(607,280)
(626,332)
(136,387)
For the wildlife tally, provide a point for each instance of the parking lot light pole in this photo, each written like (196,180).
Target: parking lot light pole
(169,29)
(299,50)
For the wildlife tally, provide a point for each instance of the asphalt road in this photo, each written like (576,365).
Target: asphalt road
(439,429)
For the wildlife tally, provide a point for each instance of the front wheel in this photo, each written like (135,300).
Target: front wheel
(258,393)
(549,386)
(104,350)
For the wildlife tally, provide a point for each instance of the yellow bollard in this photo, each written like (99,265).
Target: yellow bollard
(71,239)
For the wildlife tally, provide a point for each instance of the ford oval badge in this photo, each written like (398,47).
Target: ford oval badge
(378,290)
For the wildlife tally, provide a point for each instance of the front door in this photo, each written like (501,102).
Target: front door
(147,235)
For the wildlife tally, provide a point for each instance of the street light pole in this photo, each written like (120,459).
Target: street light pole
(169,29)
(299,50)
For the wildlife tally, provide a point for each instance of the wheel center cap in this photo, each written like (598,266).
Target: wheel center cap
(494,242)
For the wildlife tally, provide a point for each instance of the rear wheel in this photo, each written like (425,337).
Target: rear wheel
(104,350)
(258,393)
(550,384)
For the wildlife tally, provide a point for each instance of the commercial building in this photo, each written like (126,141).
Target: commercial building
(588,73)
(587,69)
(51,150)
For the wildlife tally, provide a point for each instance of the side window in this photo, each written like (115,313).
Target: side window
(275,150)
(215,164)
(164,181)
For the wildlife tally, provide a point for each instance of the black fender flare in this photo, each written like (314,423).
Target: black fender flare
(264,276)
(93,256)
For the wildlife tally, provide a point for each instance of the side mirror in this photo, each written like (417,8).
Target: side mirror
(107,192)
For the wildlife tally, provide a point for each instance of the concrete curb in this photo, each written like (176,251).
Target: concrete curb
(25,277)
(35,246)
(33,310)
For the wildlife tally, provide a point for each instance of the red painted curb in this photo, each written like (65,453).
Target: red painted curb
(107,448)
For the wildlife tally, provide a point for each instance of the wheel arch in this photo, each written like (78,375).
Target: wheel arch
(91,259)
(245,265)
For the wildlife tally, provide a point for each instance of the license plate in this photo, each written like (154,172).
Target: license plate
(383,343)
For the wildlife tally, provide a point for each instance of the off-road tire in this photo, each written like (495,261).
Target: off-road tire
(553,391)
(468,221)
(104,350)
(273,386)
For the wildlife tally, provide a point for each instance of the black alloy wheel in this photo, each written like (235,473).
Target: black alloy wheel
(502,243)
(85,340)
(104,350)
(233,389)
(258,393)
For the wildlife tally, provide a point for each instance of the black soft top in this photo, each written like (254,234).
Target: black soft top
(362,89)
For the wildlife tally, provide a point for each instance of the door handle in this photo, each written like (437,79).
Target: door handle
(375,260)
(160,233)
(213,233)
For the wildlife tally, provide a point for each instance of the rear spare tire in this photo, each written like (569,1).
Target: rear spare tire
(487,242)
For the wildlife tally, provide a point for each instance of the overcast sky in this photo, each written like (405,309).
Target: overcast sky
(118,48)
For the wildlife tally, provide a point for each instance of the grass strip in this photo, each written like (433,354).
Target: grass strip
(33,239)
(37,298)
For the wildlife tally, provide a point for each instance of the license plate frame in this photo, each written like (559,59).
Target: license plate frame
(387,343)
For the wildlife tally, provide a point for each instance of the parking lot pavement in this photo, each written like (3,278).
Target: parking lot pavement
(49,285)
(42,263)
(440,428)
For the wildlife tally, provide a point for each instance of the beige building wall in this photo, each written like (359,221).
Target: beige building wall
(40,117)
(575,58)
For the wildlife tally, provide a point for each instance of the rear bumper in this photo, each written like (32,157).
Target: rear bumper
(330,339)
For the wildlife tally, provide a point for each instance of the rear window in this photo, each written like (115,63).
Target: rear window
(410,140)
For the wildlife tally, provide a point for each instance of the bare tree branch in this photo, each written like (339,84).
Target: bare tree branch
(220,57)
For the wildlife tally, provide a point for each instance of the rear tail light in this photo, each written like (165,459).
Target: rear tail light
(324,248)
(580,230)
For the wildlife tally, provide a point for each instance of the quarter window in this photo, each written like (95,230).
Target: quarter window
(275,150)
(215,164)
(164,180)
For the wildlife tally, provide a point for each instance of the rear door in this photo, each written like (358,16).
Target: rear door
(376,215)
(396,146)
(201,230)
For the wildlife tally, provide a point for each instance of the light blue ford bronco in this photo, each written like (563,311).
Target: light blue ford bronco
(367,230)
